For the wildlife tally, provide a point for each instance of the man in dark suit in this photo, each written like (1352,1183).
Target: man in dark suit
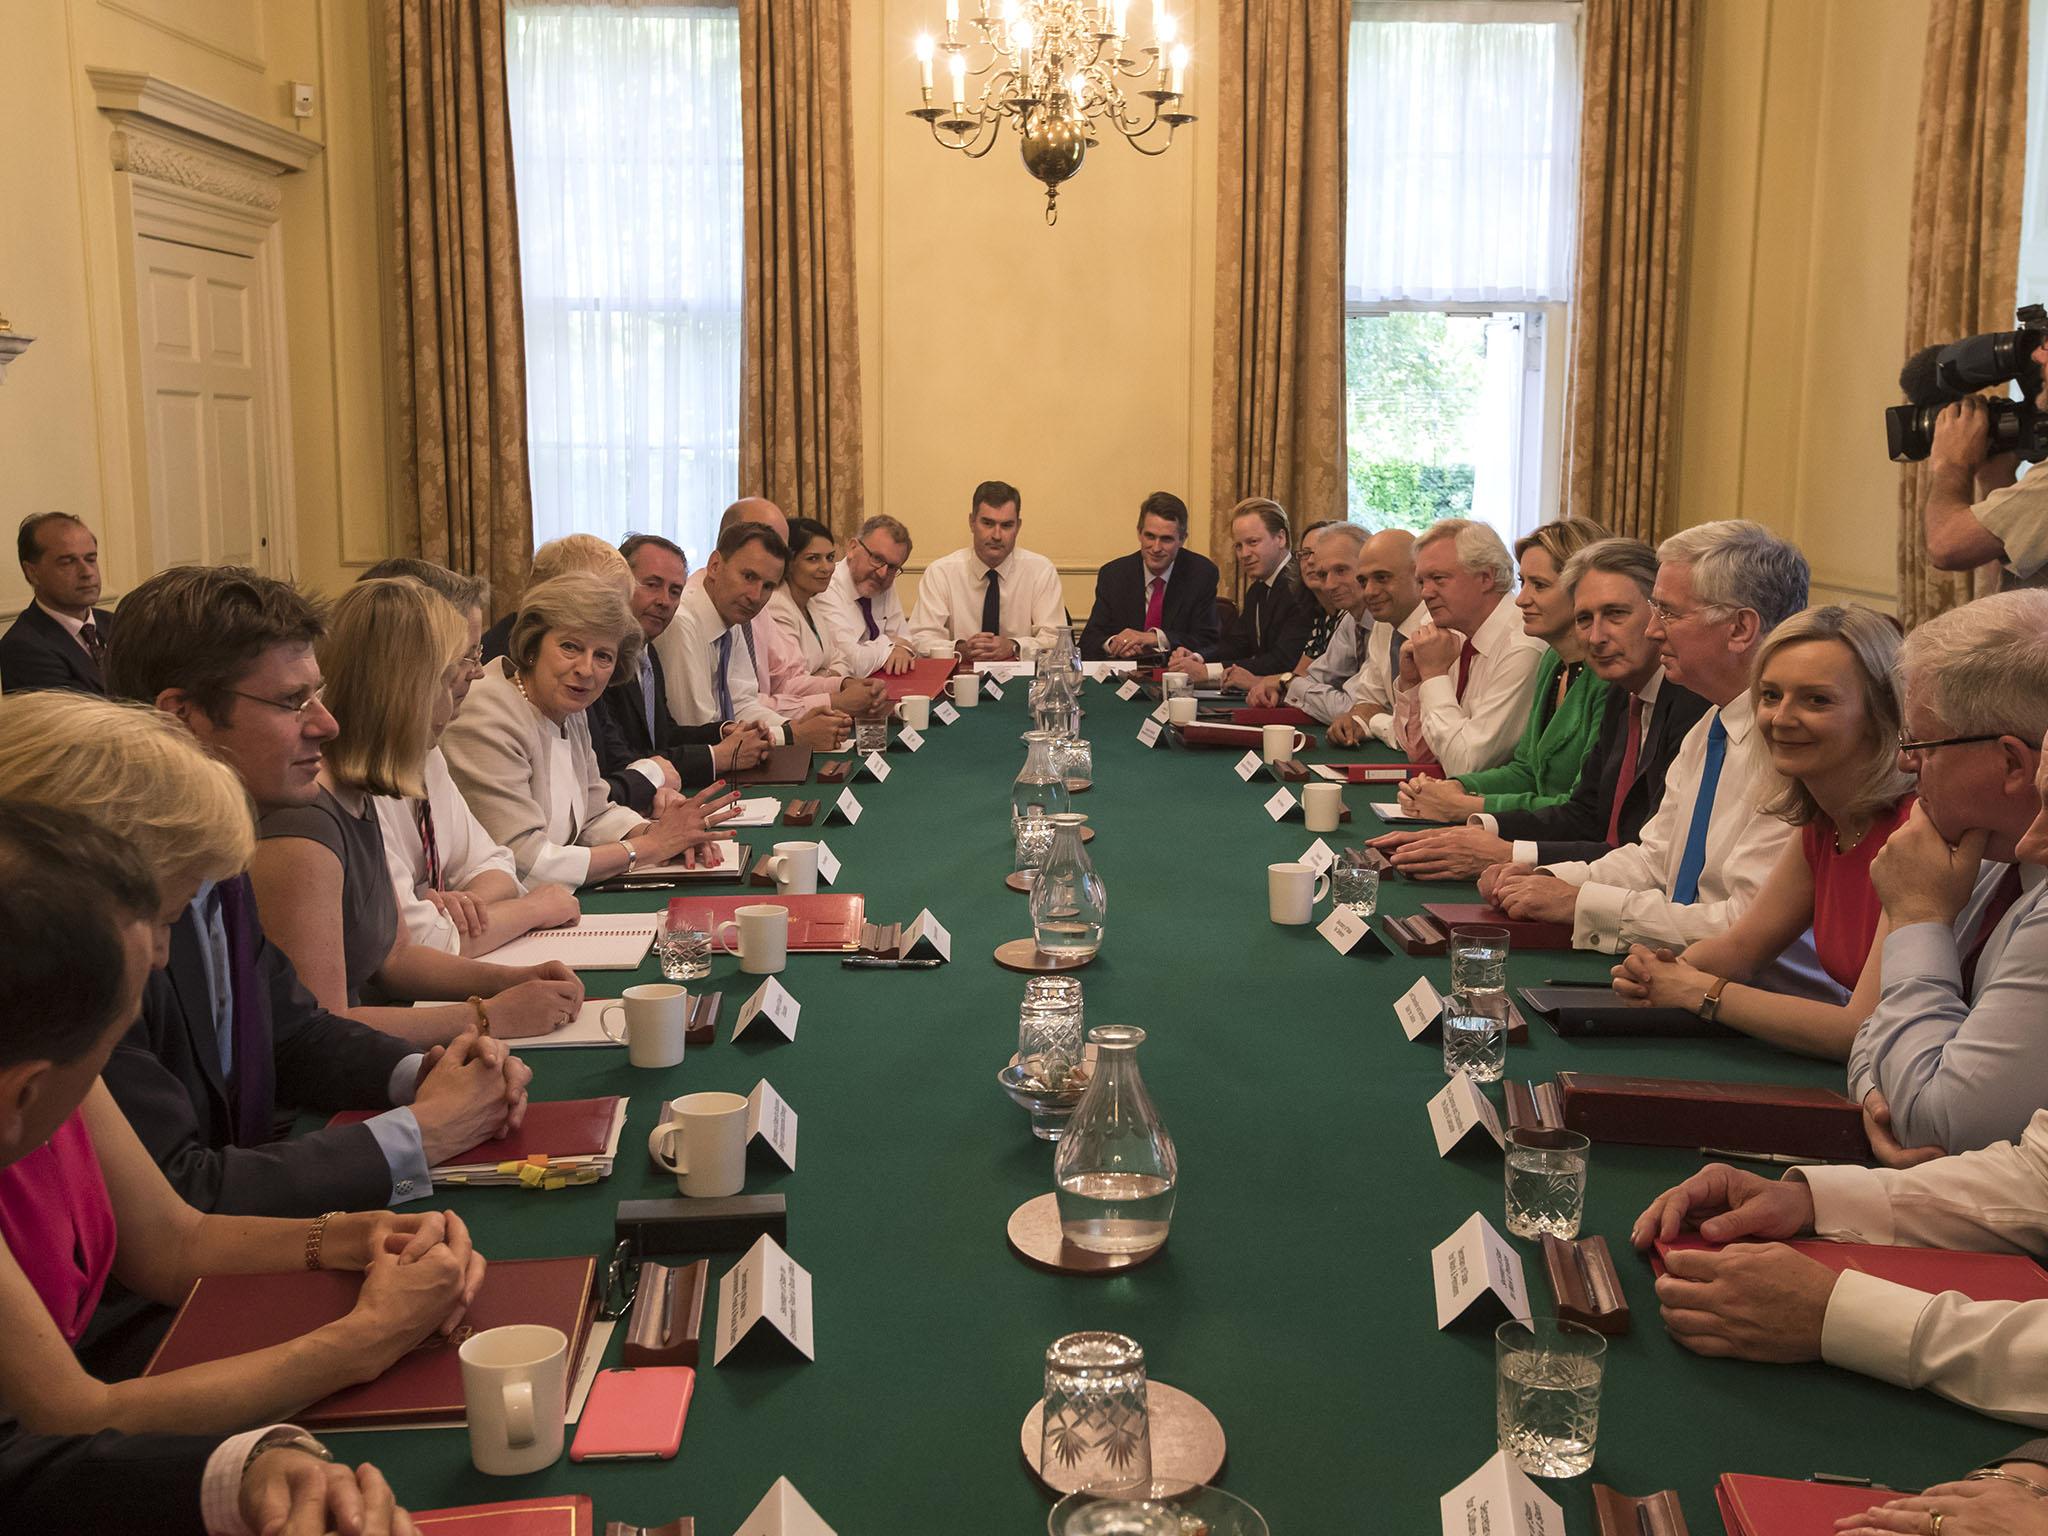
(60,638)
(1160,598)
(1273,623)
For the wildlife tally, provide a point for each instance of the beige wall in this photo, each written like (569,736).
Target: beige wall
(1796,297)
(70,434)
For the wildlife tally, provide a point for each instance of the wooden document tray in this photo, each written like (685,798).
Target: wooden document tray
(1533,1106)
(1654,1514)
(668,1314)
(1583,1280)
(782,765)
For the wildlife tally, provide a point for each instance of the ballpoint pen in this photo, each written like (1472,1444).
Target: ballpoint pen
(875,963)
(1781,1159)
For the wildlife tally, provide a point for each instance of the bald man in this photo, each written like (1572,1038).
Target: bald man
(1386,570)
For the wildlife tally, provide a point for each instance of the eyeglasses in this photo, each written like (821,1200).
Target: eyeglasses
(1946,741)
(889,566)
(289,706)
(1664,615)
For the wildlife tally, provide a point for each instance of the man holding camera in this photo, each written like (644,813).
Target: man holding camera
(1978,510)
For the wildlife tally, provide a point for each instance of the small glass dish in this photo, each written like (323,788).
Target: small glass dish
(1049,1108)
(1200,1509)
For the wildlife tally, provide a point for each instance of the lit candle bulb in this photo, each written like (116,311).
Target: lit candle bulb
(1076,89)
(1119,17)
(1167,28)
(958,65)
(1161,22)
(1178,78)
(952,16)
(924,61)
(1020,39)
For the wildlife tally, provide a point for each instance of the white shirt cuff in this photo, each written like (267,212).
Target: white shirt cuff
(1870,1325)
(1597,922)
(1215,671)
(1526,853)
(220,1489)
(649,768)
(1483,819)
(1850,1204)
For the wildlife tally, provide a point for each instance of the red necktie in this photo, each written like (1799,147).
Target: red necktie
(2000,903)
(1625,780)
(1465,666)
(1155,605)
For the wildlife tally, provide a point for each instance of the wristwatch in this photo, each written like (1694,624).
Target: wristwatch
(1286,681)
(1710,1005)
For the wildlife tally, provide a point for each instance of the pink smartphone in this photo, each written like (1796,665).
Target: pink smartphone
(635,1414)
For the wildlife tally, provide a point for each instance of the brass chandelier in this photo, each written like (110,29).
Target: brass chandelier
(1056,71)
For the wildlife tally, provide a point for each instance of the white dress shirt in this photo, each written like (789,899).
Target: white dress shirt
(953,587)
(466,851)
(72,627)
(801,638)
(1326,689)
(689,657)
(1480,729)
(837,610)
(1373,687)
(1962,1070)
(1988,1355)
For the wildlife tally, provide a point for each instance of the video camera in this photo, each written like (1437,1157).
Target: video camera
(1935,377)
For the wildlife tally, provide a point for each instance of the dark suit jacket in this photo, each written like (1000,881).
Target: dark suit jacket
(499,636)
(37,653)
(618,734)
(89,1484)
(1272,625)
(1577,829)
(165,1074)
(1188,614)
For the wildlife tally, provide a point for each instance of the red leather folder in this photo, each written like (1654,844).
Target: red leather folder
(816,923)
(1284,715)
(1784,1506)
(927,675)
(567,1514)
(557,1127)
(1743,1117)
(233,1314)
(1522,933)
(1239,738)
(782,765)
(1979,1276)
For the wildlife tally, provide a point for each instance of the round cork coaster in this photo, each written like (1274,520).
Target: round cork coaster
(1035,1236)
(1019,880)
(1080,787)
(1025,955)
(1187,1440)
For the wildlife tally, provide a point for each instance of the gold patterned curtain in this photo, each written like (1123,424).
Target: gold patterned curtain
(1963,265)
(1621,390)
(460,403)
(1278,402)
(800,440)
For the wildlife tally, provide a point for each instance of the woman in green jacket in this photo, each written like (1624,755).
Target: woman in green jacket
(1564,716)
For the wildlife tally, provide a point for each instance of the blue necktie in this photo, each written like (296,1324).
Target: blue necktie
(721,681)
(1686,889)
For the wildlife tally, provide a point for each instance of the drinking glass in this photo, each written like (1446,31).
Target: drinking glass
(1547,1394)
(1049,1031)
(1075,760)
(1546,1176)
(1356,887)
(1479,959)
(1475,1026)
(1034,842)
(683,949)
(1097,1431)
(870,735)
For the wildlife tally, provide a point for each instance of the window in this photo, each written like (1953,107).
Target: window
(626,155)
(1462,150)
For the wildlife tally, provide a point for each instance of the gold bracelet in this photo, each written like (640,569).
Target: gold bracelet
(483,1019)
(315,1236)
(1986,1474)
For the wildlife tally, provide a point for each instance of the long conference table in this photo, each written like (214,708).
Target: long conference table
(1294,1296)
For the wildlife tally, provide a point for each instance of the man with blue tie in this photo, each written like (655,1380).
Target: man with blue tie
(1721,589)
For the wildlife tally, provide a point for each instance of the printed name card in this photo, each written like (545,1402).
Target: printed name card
(1129,690)
(875,766)
(1320,856)
(769,1284)
(991,687)
(944,712)
(783,1512)
(828,863)
(911,737)
(926,939)
(771,1001)
(1282,802)
(846,808)
(1249,766)
(770,1118)
(1500,1499)
(1148,733)
(1476,1261)
(1345,929)
(1418,1008)
(1460,1106)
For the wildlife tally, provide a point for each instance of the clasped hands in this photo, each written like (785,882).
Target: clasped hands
(986,647)
(1525,892)
(1130,642)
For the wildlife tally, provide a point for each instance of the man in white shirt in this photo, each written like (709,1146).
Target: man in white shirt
(1324,689)
(1721,588)
(990,601)
(1387,571)
(861,608)
(1465,679)
(706,660)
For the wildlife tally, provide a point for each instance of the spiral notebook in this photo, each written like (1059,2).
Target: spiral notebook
(597,941)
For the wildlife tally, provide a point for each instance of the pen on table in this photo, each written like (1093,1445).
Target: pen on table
(1575,981)
(1781,1159)
(873,963)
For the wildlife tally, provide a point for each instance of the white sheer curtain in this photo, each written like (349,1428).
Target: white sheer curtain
(626,154)
(1462,152)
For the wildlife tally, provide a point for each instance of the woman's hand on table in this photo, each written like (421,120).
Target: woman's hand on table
(1658,978)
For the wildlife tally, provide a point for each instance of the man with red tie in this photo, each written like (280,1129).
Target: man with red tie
(61,638)
(1161,598)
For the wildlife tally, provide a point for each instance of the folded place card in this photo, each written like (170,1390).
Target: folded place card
(875,766)
(783,1512)
(1500,1499)
(828,863)
(991,687)
(1348,933)
(1282,804)
(768,1284)
(771,1001)
(944,712)
(1418,1009)
(1248,766)
(1160,714)
(1148,733)
(1129,690)
(926,939)
(911,738)
(1473,1262)
(770,1118)
(846,808)
(1320,856)
(1459,1106)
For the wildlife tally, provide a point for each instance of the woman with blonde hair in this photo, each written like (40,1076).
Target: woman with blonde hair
(391,660)
(520,751)
(1828,713)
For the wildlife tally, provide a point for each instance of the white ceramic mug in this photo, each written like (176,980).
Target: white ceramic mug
(794,867)
(915,711)
(1276,743)
(702,1140)
(966,688)
(515,1391)
(1180,709)
(1322,806)
(1292,891)
(655,1017)
(760,934)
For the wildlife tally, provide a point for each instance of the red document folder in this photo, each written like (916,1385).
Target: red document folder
(927,675)
(1979,1276)
(816,923)
(1387,773)
(1284,715)
(1784,1506)
(566,1514)
(1743,1117)
(1238,738)
(559,1128)
(233,1314)
(1522,933)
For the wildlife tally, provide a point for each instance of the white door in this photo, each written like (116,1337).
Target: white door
(206,399)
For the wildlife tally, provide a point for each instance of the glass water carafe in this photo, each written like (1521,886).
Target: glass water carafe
(1068,899)
(1039,789)
(1115,1170)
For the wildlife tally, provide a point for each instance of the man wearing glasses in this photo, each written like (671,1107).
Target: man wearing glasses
(861,607)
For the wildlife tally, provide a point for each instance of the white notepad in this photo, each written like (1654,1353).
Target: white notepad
(585,1029)
(759,811)
(727,862)
(598,941)
(1390,810)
